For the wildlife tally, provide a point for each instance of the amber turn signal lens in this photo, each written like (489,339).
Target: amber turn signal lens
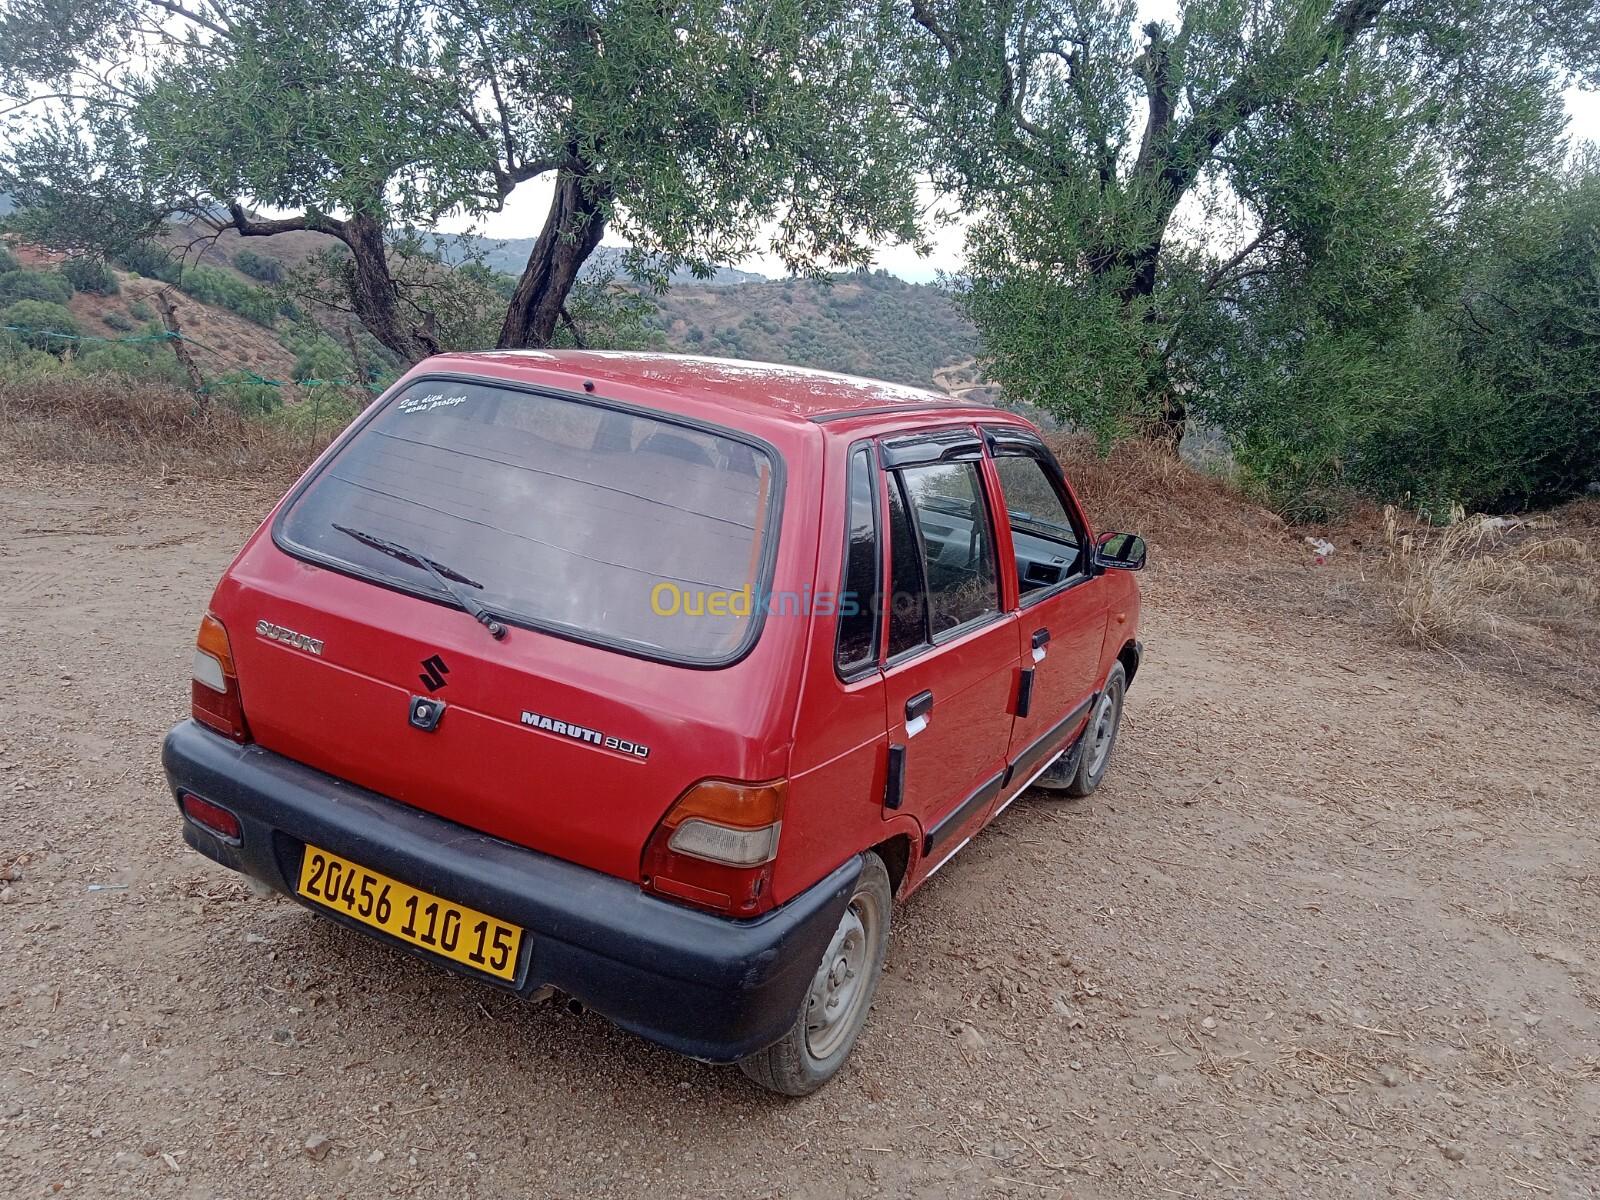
(214,695)
(715,846)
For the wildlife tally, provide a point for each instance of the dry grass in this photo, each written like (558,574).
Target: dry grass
(1488,578)
(1141,489)
(117,420)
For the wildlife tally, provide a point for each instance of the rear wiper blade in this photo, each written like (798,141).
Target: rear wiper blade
(446,577)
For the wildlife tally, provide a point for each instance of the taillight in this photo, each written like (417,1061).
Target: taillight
(715,847)
(215,691)
(211,817)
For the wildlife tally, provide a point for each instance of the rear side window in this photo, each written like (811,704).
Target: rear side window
(858,595)
(608,525)
(908,606)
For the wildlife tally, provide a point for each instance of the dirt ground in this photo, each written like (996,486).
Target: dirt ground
(1332,928)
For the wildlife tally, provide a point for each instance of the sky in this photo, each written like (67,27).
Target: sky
(525,210)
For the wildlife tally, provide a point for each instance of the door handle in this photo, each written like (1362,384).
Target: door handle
(919,710)
(1041,638)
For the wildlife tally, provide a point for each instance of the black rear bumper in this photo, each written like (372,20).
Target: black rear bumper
(705,986)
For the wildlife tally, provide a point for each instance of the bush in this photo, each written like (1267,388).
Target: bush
(33,285)
(147,258)
(140,311)
(152,362)
(212,286)
(118,321)
(259,266)
(8,261)
(90,275)
(246,395)
(325,361)
(36,320)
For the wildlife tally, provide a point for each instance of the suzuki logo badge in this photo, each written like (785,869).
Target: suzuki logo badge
(433,673)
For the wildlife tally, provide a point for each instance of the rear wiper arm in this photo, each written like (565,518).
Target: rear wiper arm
(447,578)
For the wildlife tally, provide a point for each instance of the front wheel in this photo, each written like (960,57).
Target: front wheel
(840,995)
(1100,735)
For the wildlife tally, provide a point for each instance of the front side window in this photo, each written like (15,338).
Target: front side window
(952,523)
(609,525)
(1046,546)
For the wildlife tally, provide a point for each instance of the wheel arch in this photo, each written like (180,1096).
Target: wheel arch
(1130,656)
(896,855)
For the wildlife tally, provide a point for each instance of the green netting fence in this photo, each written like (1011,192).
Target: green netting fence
(240,375)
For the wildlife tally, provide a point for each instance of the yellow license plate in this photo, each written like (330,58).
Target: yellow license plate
(451,930)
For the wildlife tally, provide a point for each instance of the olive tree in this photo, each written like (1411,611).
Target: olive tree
(698,130)
(1082,137)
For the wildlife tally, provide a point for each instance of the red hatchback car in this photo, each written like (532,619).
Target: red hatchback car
(654,680)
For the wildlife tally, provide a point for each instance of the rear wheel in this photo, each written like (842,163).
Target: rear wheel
(1100,735)
(840,996)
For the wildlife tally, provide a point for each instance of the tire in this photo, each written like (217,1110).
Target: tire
(814,1049)
(1100,735)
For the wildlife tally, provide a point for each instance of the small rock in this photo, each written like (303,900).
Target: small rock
(1390,1077)
(1209,1023)
(317,1147)
(1453,1152)
(375,1157)
(1075,1066)
(13,1110)
(1164,1083)
(283,1037)
(970,1039)
(255,939)
(7,895)
(1531,1019)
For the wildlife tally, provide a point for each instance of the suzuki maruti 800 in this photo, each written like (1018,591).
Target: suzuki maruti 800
(655,681)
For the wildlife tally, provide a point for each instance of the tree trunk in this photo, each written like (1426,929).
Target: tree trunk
(571,231)
(169,318)
(373,294)
(1171,418)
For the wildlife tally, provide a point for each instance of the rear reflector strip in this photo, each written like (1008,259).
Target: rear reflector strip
(213,818)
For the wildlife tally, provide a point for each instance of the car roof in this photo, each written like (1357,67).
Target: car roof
(772,390)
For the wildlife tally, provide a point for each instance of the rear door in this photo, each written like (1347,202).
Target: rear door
(951,647)
(1063,608)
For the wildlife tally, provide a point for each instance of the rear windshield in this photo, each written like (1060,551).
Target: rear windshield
(603,524)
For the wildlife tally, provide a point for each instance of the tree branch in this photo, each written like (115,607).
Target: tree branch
(316,222)
(188,14)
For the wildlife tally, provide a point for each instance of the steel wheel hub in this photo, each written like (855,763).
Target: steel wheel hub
(839,989)
(1105,728)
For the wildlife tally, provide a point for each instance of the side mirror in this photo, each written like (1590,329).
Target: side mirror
(1120,552)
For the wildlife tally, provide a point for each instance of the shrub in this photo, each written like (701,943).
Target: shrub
(147,258)
(36,320)
(33,285)
(90,275)
(212,286)
(140,311)
(151,362)
(246,395)
(8,261)
(323,360)
(118,321)
(259,266)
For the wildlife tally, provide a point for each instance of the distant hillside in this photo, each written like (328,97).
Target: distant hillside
(865,324)
(510,255)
